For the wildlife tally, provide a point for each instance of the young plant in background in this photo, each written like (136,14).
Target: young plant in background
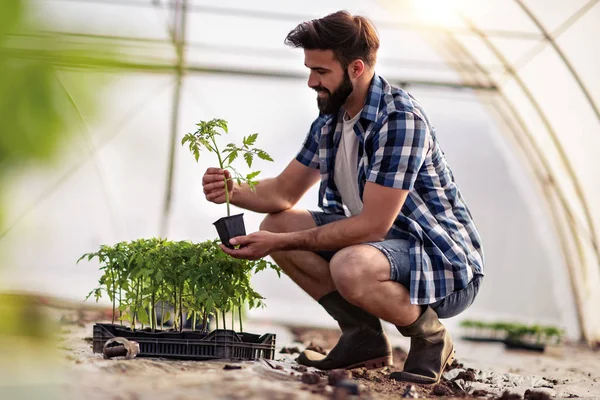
(205,138)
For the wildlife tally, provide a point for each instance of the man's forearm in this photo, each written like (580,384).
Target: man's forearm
(266,199)
(334,236)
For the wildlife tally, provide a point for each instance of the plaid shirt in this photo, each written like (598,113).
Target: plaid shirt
(398,148)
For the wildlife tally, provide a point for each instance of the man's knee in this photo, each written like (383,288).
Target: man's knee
(287,221)
(271,223)
(350,270)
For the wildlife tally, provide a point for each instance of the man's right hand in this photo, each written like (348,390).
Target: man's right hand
(214,187)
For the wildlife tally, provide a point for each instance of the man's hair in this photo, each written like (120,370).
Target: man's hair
(349,37)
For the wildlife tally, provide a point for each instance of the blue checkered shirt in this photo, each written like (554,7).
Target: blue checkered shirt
(398,148)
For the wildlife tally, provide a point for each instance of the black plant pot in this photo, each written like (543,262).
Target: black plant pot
(230,227)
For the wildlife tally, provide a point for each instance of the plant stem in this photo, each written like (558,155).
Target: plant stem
(222,166)
(175,319)
(224,324)
(240,314)
(114,294)
(120,303)
(204,323)
(181,309)
(162,316)
(194,321)
(233,318)
(217,319)
(137,296)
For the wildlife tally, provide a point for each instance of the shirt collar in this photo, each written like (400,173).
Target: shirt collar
(371,107)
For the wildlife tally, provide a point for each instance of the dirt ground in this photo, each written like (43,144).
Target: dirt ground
(482,371)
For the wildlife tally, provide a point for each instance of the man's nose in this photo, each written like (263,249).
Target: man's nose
(313,81)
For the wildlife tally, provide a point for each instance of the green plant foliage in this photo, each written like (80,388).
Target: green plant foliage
(205,138)
(516,332)
(195,278)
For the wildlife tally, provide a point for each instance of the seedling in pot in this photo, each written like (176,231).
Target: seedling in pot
(205,138)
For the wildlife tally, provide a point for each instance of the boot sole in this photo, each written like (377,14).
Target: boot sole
(375,363)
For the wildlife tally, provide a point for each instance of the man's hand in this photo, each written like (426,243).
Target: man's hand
(256,245)
(214,186)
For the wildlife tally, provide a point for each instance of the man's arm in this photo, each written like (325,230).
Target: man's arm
(399,150)
(277,194)
(381,206)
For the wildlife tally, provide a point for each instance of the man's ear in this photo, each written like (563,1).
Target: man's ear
(356,68)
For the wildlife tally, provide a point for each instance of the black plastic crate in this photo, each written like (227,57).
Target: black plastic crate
(189,345)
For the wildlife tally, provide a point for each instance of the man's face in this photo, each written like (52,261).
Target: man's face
(328,79)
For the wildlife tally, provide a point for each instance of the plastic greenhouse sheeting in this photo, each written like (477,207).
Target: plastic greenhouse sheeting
(511,85)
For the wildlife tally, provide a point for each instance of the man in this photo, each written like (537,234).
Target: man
(394,239)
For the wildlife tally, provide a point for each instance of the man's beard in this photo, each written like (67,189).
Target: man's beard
(331,104)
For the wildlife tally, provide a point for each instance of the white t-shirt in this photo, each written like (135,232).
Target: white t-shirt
(346,166)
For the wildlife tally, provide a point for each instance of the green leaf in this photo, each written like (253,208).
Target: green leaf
(143,316)
(166,317)
(251,139)
(232,156)
(249,157)
(222,124)
(252,175)
(264,156)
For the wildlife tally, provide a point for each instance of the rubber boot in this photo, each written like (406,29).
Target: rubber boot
(431,349)
(362,344)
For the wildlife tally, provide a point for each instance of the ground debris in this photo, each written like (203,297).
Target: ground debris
(315,347)
(468,375)
(290,350)
(338,375)
(509,396)
(455,364)
(311,378)
(300,368)
(442,390)
(345,388)
(231,366)
(411,392)
(536,395)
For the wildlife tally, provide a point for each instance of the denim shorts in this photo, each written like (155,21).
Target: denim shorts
(397,253)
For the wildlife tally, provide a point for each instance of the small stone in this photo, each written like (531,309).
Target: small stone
(536,395)
(290,350)
(411,392)
(229,366)
(467,376)
(509,396)
(314,347)
(442,390)
(337,375)
(310,378)
(348,386)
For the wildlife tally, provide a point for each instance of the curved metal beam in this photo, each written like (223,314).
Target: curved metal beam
(544,177)
(178,36)
(561,54)
(551,132)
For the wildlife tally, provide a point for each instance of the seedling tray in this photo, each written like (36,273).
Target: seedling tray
(521,345)
(191,345)
(482,339)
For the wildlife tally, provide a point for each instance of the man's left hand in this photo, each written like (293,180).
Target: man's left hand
(255,245)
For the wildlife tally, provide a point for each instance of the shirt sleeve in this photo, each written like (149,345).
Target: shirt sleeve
(398,151)
(309,153)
